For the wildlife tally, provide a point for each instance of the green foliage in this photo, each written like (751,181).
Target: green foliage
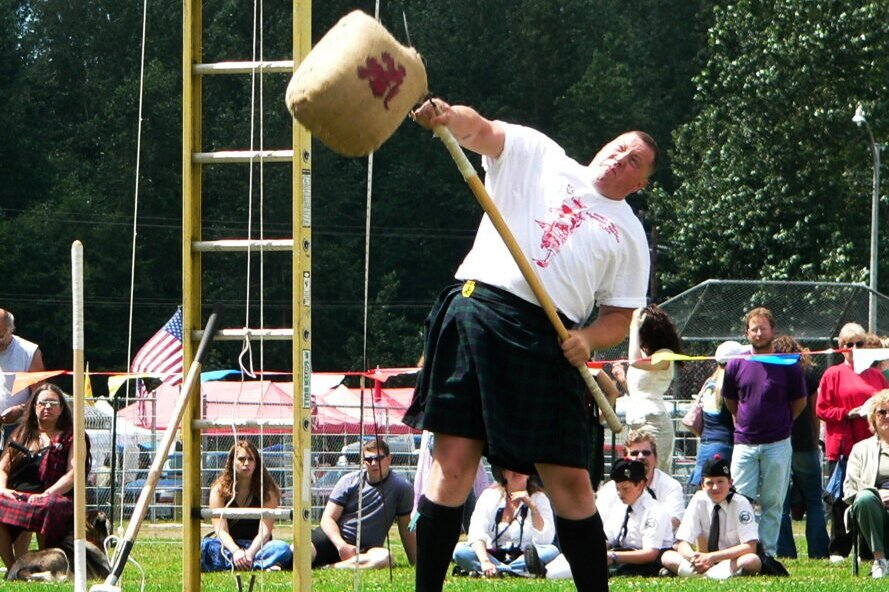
(774,179)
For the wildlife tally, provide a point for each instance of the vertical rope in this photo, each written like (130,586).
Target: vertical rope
(132,253)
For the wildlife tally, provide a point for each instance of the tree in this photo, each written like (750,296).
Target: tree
(772,174)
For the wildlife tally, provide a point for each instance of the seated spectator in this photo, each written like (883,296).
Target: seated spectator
(637,528)
(727,545)
(244,543)
(385,496)
(511,530)
(37,475)
(665,489)
(866,487)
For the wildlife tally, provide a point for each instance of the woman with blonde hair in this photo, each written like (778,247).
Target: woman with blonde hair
(718,433)
(842,395)
(866,487)
(244,543)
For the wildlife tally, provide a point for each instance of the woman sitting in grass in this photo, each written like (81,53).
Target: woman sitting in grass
(244,544)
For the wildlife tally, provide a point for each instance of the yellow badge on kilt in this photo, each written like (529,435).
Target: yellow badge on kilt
(468,288)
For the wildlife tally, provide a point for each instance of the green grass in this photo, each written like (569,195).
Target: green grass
(160,554)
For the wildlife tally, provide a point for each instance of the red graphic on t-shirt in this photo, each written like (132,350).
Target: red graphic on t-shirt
(564,221)
(383,80)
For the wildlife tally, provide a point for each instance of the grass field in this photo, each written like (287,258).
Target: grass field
(159,552)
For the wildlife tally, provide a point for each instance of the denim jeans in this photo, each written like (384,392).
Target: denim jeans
(806,474)
(215,557)
(466,558)
(763,471)
(706,451)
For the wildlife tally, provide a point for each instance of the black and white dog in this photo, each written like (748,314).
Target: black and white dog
(55,564)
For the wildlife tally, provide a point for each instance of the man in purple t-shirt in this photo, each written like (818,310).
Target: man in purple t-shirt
(764,400)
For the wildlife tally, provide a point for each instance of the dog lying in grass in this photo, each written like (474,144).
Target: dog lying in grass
(55,564)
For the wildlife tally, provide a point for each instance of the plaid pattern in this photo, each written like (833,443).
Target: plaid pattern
(53,516)
(494,371)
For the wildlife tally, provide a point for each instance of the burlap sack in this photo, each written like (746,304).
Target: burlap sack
(356,86)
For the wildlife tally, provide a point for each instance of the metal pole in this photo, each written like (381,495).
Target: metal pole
(874,231)
(860,120)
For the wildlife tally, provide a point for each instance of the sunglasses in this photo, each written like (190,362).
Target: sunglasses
(50,404)
(374,458)
(640,453)
(850,344)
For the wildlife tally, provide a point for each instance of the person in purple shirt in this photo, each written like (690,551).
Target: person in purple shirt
(764,400)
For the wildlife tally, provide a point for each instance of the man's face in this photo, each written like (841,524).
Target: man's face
(642,452)
(377,465)
(5,335)
(760,334)
(629,492)
(622,166)
(717,488)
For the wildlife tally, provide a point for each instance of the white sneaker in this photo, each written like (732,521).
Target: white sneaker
(720,571)
(837,558)
(880,569)
(686,570)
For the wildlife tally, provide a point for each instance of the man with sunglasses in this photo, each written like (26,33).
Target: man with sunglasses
(667,491)
(16,355)
(764,399)
(385,497)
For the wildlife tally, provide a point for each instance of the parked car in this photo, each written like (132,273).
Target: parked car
(401,447)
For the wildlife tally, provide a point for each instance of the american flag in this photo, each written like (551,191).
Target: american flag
(162,354)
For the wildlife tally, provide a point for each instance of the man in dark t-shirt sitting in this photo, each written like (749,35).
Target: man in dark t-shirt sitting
(386,497)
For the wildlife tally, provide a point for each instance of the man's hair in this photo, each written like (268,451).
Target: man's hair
(656,151)
(377,445)
(638,437)
(760,311)
(8,320)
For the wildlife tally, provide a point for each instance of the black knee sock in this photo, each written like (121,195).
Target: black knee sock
(438,528)
(583,543)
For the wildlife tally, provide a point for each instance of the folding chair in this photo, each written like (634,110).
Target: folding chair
(853,531)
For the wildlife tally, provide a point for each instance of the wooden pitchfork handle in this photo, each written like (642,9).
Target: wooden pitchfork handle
(481,194)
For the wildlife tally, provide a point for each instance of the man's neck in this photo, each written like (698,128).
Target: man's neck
(763,350)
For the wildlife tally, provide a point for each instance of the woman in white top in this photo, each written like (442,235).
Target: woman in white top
(511,530)
(652,331)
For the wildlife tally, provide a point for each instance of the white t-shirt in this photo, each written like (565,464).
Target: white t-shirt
(15,358)
(585,248)
(648,527)
(737,523)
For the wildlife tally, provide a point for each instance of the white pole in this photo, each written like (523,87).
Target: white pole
(79,432)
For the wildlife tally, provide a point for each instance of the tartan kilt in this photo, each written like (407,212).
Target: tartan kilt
(494,371)
(52,517)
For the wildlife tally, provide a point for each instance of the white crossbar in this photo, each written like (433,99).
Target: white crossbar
(237,156)
(242,513)
(278,66)
(240,422)
(234,245)
(238,334)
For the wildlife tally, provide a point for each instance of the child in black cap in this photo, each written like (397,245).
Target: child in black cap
(726,538)
(637,527)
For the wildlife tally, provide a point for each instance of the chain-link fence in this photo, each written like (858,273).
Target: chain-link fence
(706,315)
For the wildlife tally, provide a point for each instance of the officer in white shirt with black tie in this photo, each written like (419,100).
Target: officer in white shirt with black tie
(637,527)
(721,525)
